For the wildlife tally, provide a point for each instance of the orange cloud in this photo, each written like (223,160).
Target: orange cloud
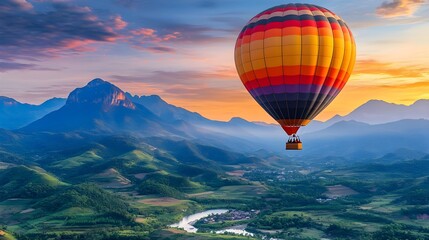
(150,34)
(79,45)
(423,84)
(119,23)
(174,35)
(144,31)
(398,8)
(147,39)
(371,66)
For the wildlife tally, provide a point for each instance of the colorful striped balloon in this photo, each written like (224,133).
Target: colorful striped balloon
(294,59)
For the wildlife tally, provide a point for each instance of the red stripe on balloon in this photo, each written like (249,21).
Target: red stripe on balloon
(291,80)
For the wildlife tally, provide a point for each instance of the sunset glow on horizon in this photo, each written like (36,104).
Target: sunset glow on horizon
(185,52)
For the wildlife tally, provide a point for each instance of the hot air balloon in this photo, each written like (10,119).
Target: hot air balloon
(294,59)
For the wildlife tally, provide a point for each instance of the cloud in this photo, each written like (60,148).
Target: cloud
(209,94)
(41,93)
(7,66)
(13,5)
(10,66)
(169,36)
(147,32)
(398,8)
(414,85)
(150,35)
(190,33)
(148,40)
(371,66)
(30,34)
(186,77)
(160,49)
(119,23)
(187,84)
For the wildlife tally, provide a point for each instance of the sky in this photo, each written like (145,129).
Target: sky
(183,50)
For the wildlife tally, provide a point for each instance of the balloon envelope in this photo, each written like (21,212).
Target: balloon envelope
(294,59)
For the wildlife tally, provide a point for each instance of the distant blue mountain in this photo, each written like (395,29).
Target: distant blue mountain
(14,115)
(377,112)
(166,111)
(360,141)
(272,138)
(238,134)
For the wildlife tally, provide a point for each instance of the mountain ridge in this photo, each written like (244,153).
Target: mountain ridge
(99,106)
(14,114)
(379,111)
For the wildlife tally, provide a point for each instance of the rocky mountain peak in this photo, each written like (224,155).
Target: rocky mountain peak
(100,92)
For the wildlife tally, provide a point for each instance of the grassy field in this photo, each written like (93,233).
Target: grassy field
(339,191)
(241,192)
(175,234)
(12,210)
(162,201)
(307,233)
(382,204)
(111,178)
(77,161)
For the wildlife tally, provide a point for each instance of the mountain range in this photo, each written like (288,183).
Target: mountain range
(378,112)
(100,107)
(372,130)
(14,114)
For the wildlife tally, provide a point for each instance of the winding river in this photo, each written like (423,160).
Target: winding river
(186,223)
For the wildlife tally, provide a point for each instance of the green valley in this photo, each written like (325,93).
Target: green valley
(121,189)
